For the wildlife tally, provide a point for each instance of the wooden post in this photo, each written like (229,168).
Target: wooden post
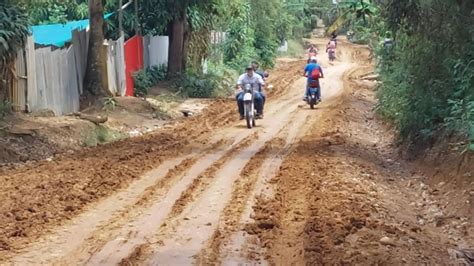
(120,18)
(137,29)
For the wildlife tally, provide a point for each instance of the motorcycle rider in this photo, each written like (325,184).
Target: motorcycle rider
(307,73)
(249,77)
(332,44)
(331,49)
(312,51)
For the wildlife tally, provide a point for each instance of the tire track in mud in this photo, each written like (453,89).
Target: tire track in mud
(192,181)
(241,246)
(99,237)
(287,206)
(200,183)
(230,219)
(91,236)
(231,212)
(87,235)
(138,256)
(163,251)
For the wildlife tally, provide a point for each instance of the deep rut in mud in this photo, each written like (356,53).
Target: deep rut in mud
(305,187)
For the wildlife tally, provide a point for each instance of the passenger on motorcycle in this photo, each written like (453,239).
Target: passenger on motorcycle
(257,70)
(264,76)
(255,80)
(309,70)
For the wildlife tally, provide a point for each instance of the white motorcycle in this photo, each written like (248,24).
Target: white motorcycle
(249,107)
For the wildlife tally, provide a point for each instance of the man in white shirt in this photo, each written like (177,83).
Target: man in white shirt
(253,79)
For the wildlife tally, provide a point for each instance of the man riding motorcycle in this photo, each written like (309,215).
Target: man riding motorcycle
(250,77)
(308,71)
(331,49)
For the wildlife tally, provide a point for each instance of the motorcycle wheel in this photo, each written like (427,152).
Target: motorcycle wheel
(248,115)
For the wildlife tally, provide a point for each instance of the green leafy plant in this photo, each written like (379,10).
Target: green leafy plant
(110,103)
(147,78)
(197,85)
(13,32)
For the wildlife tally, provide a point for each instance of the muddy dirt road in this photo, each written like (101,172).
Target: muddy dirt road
(304,187)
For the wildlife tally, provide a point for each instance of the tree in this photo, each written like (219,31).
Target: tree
(353,10)
(96,71)
(179,30)
(13,34)
(264,23)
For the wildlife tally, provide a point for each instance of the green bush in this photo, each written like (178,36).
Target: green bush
(147,78)
(209,85)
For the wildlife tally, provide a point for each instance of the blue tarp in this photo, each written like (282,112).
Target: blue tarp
(58,34)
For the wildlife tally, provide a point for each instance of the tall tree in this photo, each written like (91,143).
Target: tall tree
(96,72)
(178,32)
(179,29)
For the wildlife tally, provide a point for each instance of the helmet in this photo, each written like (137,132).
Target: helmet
(313,59)
(249,67)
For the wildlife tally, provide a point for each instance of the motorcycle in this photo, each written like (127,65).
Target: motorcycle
(332,54)
(249,107)
(312,94)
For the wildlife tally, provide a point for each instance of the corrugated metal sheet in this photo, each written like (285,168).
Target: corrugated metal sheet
(120,66)
(57,87)
(116,67)
(158,50)
(133,61)
(111,68)
(19,85)
(31,76)
(80,43)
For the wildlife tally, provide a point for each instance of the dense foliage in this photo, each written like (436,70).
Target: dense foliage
(13,33)
(50,11)
(428,78)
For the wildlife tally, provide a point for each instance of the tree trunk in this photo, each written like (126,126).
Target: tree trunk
(176,54)
(96,73)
